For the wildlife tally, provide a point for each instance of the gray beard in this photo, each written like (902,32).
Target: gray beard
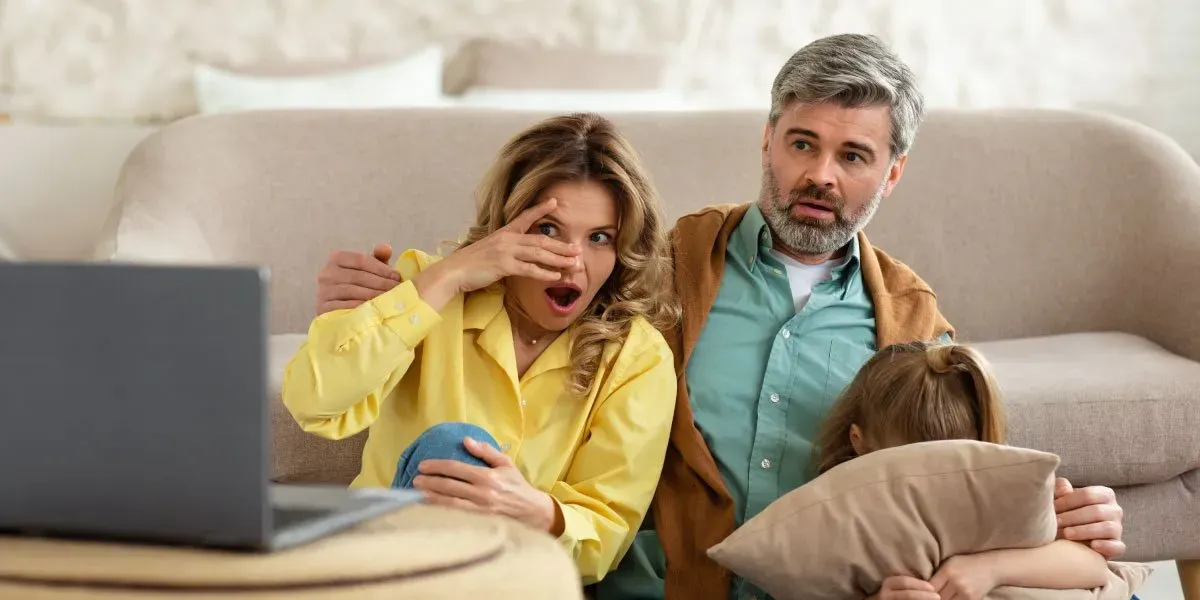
(811,236)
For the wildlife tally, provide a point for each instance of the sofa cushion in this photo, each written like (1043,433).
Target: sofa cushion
(296,455)
(1117,409)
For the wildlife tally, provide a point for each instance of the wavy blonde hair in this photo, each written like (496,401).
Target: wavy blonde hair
(587,147)
(917,392)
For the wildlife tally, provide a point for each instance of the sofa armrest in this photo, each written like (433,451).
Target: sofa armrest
(1165,263)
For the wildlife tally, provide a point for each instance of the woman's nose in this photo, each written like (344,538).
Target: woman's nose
(578,264)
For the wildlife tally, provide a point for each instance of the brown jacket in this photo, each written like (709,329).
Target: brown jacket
(692,509)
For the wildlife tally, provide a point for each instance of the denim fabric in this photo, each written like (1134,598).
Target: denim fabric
(442,441)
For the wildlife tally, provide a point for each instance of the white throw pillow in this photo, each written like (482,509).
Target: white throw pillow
(415,80)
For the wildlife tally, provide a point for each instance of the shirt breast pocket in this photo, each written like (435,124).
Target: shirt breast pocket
(845,359)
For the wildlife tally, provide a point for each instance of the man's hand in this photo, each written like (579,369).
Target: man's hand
(351,278)
(905,588)
(1090,516)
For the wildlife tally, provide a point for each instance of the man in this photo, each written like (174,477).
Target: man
(784,301)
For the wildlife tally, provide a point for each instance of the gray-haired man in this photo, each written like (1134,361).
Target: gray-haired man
(789,295)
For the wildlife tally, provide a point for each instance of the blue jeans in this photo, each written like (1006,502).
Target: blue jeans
(442,441)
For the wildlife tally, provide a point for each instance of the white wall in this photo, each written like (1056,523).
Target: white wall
(130,58)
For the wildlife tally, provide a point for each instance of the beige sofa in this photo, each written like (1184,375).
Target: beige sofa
(1067,245)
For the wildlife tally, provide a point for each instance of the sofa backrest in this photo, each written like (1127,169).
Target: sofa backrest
(1025,222)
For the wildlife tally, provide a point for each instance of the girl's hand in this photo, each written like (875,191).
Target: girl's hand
(900,587)
(508,251)
(499,489)
(964,577)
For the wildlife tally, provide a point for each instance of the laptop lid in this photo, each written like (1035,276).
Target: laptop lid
(133,399)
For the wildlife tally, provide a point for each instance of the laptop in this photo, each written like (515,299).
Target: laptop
(134,406)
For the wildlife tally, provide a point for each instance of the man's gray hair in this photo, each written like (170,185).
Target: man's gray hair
(852,70)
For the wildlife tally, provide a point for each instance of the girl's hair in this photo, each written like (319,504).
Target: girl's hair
(910,393)
(587,147)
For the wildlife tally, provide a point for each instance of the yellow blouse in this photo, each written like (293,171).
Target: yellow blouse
(395,365)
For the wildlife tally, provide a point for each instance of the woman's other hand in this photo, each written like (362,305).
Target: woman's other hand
(499,489)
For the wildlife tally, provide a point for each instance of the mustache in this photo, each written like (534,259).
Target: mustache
(813,192)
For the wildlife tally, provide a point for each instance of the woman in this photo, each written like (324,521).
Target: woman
(523,374)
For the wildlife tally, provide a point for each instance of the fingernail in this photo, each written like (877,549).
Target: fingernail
(1060,522)
(1069,533)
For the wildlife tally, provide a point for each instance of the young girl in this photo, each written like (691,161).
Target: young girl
(920,392)
(524,374)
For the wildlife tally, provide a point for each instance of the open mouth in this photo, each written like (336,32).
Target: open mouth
(563,297)
(816,207)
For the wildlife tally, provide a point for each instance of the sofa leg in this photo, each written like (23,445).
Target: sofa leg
(1189,576)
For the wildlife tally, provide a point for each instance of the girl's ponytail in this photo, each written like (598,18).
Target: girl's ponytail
(948,358)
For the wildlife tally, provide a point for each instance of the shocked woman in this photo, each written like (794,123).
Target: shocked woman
(524,373)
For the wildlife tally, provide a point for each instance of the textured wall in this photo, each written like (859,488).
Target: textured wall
(101,59)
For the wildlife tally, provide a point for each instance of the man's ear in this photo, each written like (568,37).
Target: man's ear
(894,173)
(856,440)
(768,129)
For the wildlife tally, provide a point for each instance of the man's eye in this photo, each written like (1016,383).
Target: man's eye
(800,145)
(547,229)
(853,157)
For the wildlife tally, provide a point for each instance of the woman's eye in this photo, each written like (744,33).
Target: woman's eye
(547,229)
(601,238)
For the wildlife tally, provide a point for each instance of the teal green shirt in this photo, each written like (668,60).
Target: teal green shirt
(761,379)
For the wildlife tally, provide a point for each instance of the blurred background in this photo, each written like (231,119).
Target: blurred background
(152,61)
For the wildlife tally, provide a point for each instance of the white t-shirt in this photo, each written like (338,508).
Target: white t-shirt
(803,278)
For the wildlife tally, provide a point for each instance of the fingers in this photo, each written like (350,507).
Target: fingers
(451,501)
(549,244)
(1084,497)
(457,470)
(900,582)
(382,253)
(513,266)
(907,588)
(341,292)
(526,219)
(361,262)
(939,580)
(543,257)
(368,280)
(1104,530)
(1109,549)
(1062,487)
(1088,515)
(487,453)
(449,488)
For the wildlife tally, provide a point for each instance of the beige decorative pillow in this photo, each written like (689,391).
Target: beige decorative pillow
(902,510)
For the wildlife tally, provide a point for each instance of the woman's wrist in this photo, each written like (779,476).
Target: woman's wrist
(552,517)
(436,286)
